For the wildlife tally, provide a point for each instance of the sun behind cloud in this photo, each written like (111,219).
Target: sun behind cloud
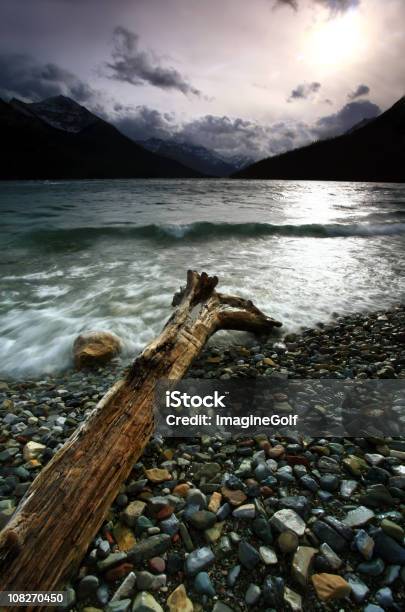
(336,41)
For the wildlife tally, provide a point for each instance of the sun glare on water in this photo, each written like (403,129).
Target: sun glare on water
(337,40)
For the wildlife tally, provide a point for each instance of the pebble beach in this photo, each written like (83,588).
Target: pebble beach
(260,523)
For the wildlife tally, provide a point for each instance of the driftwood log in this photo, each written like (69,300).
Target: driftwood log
(66,504)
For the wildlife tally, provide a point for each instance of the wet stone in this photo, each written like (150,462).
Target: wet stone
(245,512)
(287,541)
(151,547)
(252,595)
(389,549)
(327,534)
(203,584)
(268,555)
(364,544)
(87,587)
(333,560)
(348,487)
(302,563)
(359,590)
(233,575)
(261,528)
(199,560)
(371,568)
(288,519)
(202,519)
(248,555)
(145,602)
(170,526)
(273,591)
(358,517)
(393,530)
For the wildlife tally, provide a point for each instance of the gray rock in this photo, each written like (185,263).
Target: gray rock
(203,584)
(195,497)
(273,591)
(384,597)
(151,547)
(391,574)
(332,558)
(298,503)
(373,608)
(359,589)
(248,555)
(185,536)
(288,519)
(111,561)
(372,568)
(245,512)
(144,581)
(70,599)
(325,533)
(87,587)
(199,560)
(309,483)
(268,555)
(233,575)
(262,529)
(364,544)
(252,595)
(126,588)
(202,519)
(388,549)
(170,526)
(301,564)
(145,602)
(205,470)
(358,517)
(221,607)
(329,482)
(119,605)
(348,487)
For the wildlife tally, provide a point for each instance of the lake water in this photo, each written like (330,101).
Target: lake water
(81,255)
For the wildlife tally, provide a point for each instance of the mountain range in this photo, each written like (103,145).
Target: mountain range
(197,157)
(373,150)
(58,138)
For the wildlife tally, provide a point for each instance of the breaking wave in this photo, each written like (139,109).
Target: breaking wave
(205,230)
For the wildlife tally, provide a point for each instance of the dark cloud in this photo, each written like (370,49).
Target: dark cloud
(335,6)
(132,65)
(348,116)
(230,136)
(304,91)
(361,90)
(143,122)
(22,76)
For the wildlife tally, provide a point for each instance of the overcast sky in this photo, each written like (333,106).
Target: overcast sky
(252,77)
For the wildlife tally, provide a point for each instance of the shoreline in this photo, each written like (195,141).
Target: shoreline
(233,353)
(228,496)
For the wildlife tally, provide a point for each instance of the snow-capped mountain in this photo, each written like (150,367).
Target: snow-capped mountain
(58,138)
(195,156)
(59,112)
